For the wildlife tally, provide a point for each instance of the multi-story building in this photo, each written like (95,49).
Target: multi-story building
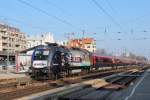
(11,39)
(84,43)
(45,38)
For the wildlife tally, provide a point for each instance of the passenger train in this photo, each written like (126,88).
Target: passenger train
(52,60)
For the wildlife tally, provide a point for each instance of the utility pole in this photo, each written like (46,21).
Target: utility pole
(131,31)
(83,33)
(69,36)
(105,30)
(42,38)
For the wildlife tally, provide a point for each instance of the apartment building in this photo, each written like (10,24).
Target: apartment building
(11,39)
(40,40)
(84,43)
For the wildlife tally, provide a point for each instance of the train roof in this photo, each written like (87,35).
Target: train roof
(105,57)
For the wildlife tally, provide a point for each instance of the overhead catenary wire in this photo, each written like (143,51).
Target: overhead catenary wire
(139,18)
(64,11)
(111,7)
(122,39)
(106,13)
(58,7)
(22,22)
(48,14)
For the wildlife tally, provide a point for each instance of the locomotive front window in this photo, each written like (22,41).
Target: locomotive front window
(41,55)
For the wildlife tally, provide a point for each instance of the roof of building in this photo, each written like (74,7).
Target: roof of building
(84,40)
(87,40)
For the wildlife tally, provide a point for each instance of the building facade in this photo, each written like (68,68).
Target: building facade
(42,40)
(11,39)
(84,43)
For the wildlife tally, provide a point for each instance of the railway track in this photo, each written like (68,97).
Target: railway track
(116,84)
(39,86)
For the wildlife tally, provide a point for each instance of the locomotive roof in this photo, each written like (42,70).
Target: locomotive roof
(30,49)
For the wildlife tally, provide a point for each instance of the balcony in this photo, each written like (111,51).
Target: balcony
(4,35)
(4,41)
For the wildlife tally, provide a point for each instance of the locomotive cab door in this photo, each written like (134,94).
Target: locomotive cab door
(56,64)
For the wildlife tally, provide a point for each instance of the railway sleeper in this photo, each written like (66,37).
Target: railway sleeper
(96,95)
(126,81)
(22,84)
(118,80)
(77,94)
(114,79)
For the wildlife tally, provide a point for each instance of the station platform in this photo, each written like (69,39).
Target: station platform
(141,90)
(11,75)
(11,78)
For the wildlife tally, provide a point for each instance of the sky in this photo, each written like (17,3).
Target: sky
(120,25)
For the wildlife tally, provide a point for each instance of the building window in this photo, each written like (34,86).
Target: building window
(88,46)
(93,50)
